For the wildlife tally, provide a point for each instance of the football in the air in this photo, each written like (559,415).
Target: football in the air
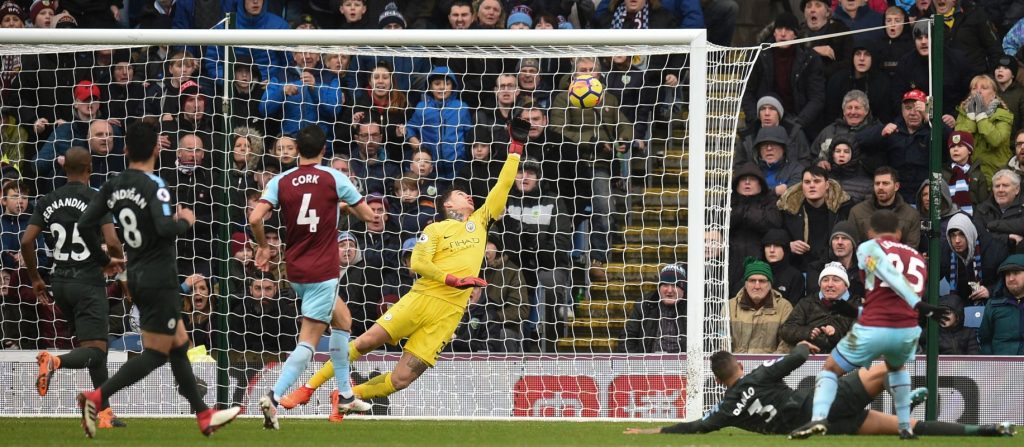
(585,91)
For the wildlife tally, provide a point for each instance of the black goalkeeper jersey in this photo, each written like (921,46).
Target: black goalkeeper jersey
(760,402)
(57,214)
(141,205)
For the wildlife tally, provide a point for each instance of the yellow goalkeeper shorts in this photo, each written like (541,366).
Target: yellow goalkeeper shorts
(428,322)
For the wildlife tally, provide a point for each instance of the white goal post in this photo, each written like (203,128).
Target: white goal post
(697,145)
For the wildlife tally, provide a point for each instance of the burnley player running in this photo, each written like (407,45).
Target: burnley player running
(895,277)
(78,285)
(309,196)
(761,402)
(447,257)
(142,206)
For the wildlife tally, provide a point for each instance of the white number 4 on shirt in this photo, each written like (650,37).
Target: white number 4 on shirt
(307,216)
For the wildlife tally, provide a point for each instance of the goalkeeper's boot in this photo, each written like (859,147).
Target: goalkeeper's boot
(107,419)
(1005,428)
(810,429)
(48,363)
(907,434)
(298,396)
(269,409)
(336,416)
(211,420)
(918,396)
(90,403)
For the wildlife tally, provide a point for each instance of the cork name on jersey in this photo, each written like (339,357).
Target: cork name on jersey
(126,194)
(65,202)
(306,179)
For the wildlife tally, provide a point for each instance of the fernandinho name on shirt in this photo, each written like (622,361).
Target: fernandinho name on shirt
(126,194)
(65,202)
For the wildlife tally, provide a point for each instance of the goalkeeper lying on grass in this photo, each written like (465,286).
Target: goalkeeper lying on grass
(762,402)
(447,258)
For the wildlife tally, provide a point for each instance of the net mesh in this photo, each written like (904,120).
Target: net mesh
(599,209)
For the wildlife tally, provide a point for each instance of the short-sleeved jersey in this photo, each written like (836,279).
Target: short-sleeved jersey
(57,214)
(760,402)
(456,247)
(309,196)
(141,205)
(893,286)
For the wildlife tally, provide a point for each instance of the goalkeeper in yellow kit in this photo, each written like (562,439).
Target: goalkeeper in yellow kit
(447,258)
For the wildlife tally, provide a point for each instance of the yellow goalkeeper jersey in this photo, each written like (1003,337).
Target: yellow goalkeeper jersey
(456,247)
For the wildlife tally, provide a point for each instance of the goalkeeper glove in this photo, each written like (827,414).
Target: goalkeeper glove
(519,130)
(463,283)
(937,313)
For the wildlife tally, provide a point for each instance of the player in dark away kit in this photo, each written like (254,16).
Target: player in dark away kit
(141,203)
(78,285)
(761,402)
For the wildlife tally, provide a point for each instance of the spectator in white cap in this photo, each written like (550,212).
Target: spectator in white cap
(820,319)
(770,113)
(657,322)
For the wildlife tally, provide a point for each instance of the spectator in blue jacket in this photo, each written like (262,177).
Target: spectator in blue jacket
(1002,325)
(857,15)
(13,222)
(250,14)
(440,123)
(301,95)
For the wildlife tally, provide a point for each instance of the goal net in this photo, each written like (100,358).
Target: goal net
(606,201)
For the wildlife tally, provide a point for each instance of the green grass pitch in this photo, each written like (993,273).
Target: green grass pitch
(36,432)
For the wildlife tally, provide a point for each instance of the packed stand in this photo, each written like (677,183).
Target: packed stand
(839,128)
(404,129)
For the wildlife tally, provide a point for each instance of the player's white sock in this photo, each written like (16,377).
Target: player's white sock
(293,368)
(899,386)
(339,355)
(825,386)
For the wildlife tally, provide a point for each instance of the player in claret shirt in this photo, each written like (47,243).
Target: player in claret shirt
(895,278)
(310,196)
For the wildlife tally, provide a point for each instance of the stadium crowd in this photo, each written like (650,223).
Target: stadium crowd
(834,129)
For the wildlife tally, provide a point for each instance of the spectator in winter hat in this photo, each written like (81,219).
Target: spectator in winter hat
(391,18)
(780,171)
(967,186)
(305,21)
(803,92)
(658,322)
(1005,73)
(970,260)
(41,13)
(842,249)
(787,279)
(770,112)
(754,213)
(757,312)
(1002,330)
(519,20)
(11,15)
(818,318)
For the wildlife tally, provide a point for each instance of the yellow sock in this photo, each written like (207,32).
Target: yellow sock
(379,386)
(321,376)
(353,353)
